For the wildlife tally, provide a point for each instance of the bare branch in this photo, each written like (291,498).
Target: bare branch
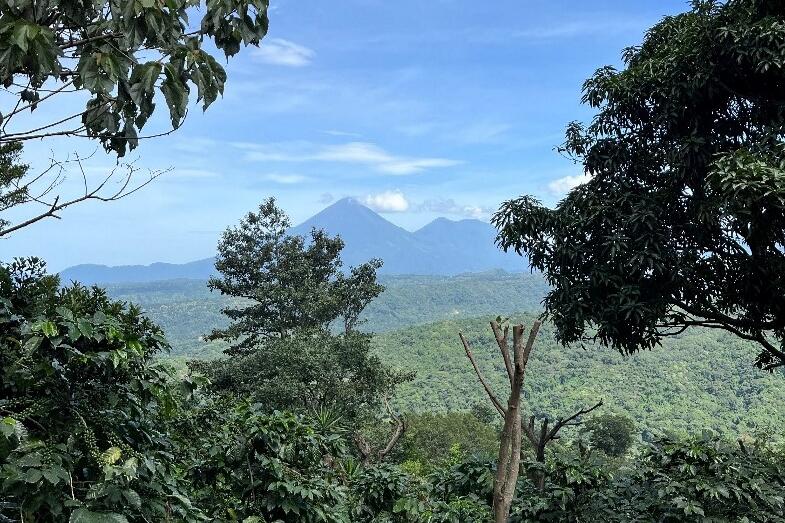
(33,104)
(486,386)
(400,428)
(501,341)
(571,420)
(57,205)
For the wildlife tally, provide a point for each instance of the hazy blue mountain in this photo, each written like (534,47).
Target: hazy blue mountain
(89,274)
(467,246)
(443,247)
(367,235)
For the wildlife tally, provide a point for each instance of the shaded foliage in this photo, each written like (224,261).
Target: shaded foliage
(613,434)
(307,371)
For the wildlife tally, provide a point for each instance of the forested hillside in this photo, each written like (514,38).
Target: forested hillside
(701,380)
(187,310)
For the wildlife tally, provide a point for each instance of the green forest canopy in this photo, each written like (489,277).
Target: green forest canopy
(702,379)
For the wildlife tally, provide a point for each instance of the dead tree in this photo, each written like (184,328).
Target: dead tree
(508,468)
(369,454)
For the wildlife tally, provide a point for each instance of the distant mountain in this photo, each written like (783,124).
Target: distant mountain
(443,247)
(89,274)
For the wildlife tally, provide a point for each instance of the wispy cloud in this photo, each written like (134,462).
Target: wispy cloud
(567,183)
(387,201)
(450,206)
(362,153)
(278,51)
(286,179)
(335,132)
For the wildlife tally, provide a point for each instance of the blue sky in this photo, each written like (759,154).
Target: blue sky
(419,108)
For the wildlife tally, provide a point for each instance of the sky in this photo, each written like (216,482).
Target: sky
(419,109)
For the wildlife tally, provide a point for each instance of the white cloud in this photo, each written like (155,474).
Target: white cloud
(387,201)
(354,152)
(564,185)
(286,179)
(362,153)
(278,51)
(335,132)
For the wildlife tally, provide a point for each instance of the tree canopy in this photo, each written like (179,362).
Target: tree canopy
(96,70)
(119,53)
(682,223)
(284,282)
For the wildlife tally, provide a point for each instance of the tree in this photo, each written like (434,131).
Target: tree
(111,59)
(306,372)
(682,223)
(284,282)
(513,429)
(509,464)
(117,54)
(611,433)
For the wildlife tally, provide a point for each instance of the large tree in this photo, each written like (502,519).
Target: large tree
(682,223)
(96,69)
(284,282)
(310,371)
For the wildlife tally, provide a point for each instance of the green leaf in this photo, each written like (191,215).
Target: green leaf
(23,33)
(8,427)
(85,327)
(111,455)
(133,498)
(49,329)
(32,344)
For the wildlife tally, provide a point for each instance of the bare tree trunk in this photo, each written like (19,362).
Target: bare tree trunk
(509,464)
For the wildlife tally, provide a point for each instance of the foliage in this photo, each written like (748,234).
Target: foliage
(85,407)
(118,53)
(11,173)
(286,282)
(695,381)
(439,439)
(308,371)
(683,221)
(611,433)
(273,466)
(703,478)
(185,309)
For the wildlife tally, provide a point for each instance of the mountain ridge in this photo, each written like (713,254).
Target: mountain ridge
(441,247)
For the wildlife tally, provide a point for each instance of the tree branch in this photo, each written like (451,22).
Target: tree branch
(501,341)
(571,420)
(486,386)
